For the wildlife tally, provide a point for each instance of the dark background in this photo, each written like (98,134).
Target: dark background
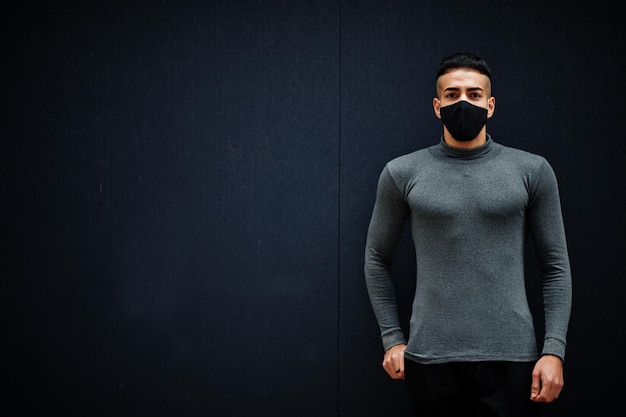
(186,188)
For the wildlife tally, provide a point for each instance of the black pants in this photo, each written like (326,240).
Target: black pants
(481,389)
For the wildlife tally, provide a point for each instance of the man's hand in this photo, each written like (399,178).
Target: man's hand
(393,362)
(547,379)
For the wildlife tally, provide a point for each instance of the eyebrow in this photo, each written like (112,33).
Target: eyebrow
(458,88)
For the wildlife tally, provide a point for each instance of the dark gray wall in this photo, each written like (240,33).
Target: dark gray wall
(186,188)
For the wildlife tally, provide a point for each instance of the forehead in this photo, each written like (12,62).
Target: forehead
(463,78)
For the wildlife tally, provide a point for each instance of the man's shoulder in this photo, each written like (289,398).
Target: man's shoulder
(406,167)
(410,159)
(521,156)
(520,153)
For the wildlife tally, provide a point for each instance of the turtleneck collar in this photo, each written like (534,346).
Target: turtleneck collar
(459,154)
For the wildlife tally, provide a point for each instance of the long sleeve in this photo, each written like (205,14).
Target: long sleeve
(548,233)
(389,215)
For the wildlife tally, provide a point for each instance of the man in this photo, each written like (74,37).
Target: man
(471,203)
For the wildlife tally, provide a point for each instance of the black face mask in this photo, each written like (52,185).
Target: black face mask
(463,120)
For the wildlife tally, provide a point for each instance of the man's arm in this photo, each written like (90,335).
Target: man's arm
(388,218)
(548,232)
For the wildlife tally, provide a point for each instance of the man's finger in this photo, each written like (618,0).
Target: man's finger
(535,387)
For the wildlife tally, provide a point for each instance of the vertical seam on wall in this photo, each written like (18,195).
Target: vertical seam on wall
(339,149)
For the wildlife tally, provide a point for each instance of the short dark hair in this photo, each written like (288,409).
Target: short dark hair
(467,60)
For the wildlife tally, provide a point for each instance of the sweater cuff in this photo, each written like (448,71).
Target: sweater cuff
(552,346)
(393,339)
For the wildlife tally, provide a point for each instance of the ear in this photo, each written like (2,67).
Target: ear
(437,107)
(491,107)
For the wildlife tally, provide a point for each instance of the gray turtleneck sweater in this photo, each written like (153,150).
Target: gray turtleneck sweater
(469,213)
